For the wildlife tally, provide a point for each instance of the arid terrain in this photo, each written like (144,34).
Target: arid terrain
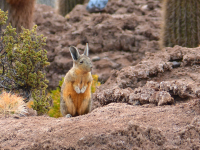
(149,97)
(132,27)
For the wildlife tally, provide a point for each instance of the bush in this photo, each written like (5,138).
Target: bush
(22,63)
(11,104)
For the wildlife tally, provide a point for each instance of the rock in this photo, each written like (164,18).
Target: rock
(95,58)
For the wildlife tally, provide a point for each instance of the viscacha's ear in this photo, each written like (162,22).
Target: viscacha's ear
(86,52)
(74,52)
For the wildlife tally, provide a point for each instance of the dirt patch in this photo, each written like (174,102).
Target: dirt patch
(115,126)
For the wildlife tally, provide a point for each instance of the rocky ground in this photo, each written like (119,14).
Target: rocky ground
(150,98)
(115,126)
(132,27)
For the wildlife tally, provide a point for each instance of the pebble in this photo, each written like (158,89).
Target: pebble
(176,64)
(95,58)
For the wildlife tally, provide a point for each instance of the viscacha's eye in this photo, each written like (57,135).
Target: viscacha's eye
(81,62)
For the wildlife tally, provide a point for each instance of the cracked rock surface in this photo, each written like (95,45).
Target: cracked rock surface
(156,79)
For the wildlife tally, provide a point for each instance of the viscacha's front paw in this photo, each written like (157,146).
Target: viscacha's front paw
(83,89)
(77,89)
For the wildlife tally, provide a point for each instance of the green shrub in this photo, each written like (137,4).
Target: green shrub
(22,63)
(40,101)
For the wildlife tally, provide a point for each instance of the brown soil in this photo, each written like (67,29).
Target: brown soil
(149,101)
(115,126)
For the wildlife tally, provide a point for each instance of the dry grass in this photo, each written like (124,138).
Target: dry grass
(11,104)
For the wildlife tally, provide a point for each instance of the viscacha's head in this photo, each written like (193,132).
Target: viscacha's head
(81,62)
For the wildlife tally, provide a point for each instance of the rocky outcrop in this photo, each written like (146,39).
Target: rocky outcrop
(160,78)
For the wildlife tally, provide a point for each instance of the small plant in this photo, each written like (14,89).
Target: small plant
(95,83)
(55,95)
(55,110)
(11,104)
(40,101)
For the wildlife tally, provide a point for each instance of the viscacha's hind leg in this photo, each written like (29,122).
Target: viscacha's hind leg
(67,107)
